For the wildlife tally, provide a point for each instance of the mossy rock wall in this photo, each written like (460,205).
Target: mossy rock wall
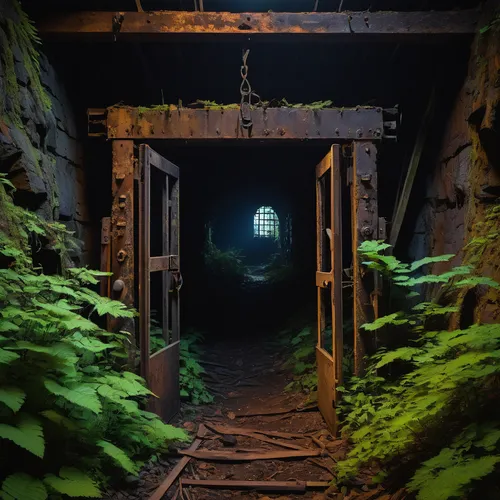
(464,186)
(40,144)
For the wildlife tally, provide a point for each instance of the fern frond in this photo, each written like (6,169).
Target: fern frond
(119,456)
(21,486)
(28,434)
(13,397)
(73,482)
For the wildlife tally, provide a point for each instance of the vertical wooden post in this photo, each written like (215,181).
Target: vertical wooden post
(364,219)
(122,236)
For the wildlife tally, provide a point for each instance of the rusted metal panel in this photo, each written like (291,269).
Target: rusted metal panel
(144,262)
(326,391)
(268,124)
(159,263)
(336,242)
(160,369)
(364,213)
(329,280)
(337,26)
(174,249)
(122,236)
(164,381)
(105,255)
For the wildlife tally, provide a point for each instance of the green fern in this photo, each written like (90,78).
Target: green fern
(73,482)
(27,434)
(13,397)
(21,486)
(119,456)
(433,386)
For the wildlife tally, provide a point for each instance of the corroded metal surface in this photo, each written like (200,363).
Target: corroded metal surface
(329,283)
(354,26)
(364,214)
(122,235)
(160,369)
(271,124)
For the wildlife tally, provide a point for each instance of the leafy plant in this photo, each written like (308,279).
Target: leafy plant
(192,385)
(70,418)
(302,361)
(226,266)
(431,404)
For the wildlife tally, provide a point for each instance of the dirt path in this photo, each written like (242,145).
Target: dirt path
(249,381)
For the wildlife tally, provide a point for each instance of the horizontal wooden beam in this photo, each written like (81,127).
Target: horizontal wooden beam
(350,26)
(363,123)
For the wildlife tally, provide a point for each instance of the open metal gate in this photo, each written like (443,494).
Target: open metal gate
(160,368)
(329,284)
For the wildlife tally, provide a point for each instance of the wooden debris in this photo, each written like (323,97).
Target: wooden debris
(235,430)
(287,486)
(248,455)
(248,433)
(177,470)
(265,413)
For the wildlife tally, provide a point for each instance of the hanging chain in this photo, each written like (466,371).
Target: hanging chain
(246,94)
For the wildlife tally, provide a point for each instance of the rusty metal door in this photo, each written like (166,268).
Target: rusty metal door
(160,368)
(329,284)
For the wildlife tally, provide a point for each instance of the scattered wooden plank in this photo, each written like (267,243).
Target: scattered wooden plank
(266,413)
(177,470)
(241,432)
(248,455)
(232,430)
(277,486)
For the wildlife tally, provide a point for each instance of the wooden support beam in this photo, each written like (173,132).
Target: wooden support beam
(337,26)
(122,236)
(404,196)
(364,214)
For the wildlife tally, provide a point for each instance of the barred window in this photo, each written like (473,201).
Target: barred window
(266,223)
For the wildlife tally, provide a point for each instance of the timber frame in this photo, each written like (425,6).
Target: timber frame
(358,129)
(337,26)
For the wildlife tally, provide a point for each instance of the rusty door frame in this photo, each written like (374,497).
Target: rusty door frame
(329,366)
(365,225)
(161,369)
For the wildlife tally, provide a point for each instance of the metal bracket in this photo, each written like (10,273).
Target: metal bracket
(97,122)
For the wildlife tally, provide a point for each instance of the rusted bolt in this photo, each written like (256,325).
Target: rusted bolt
(122,199)
(121,255)
(366,231)
(377,132)
(359,132)
(379,110)
(282,131)
(119,177)
(367,150)
(325,283)
(366,177)
(337,131)
(118,286)
(266,131)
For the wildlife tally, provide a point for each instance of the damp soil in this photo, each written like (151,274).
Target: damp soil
(248,381)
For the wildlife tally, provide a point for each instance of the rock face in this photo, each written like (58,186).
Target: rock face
(465,182)
(40,146)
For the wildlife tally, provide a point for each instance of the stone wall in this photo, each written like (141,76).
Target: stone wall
(465,182)
(40,146)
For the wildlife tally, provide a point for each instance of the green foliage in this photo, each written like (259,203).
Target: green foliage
(193,387)
(302,361)
(225,266)
(433,395)
(21,33)
(70,416)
